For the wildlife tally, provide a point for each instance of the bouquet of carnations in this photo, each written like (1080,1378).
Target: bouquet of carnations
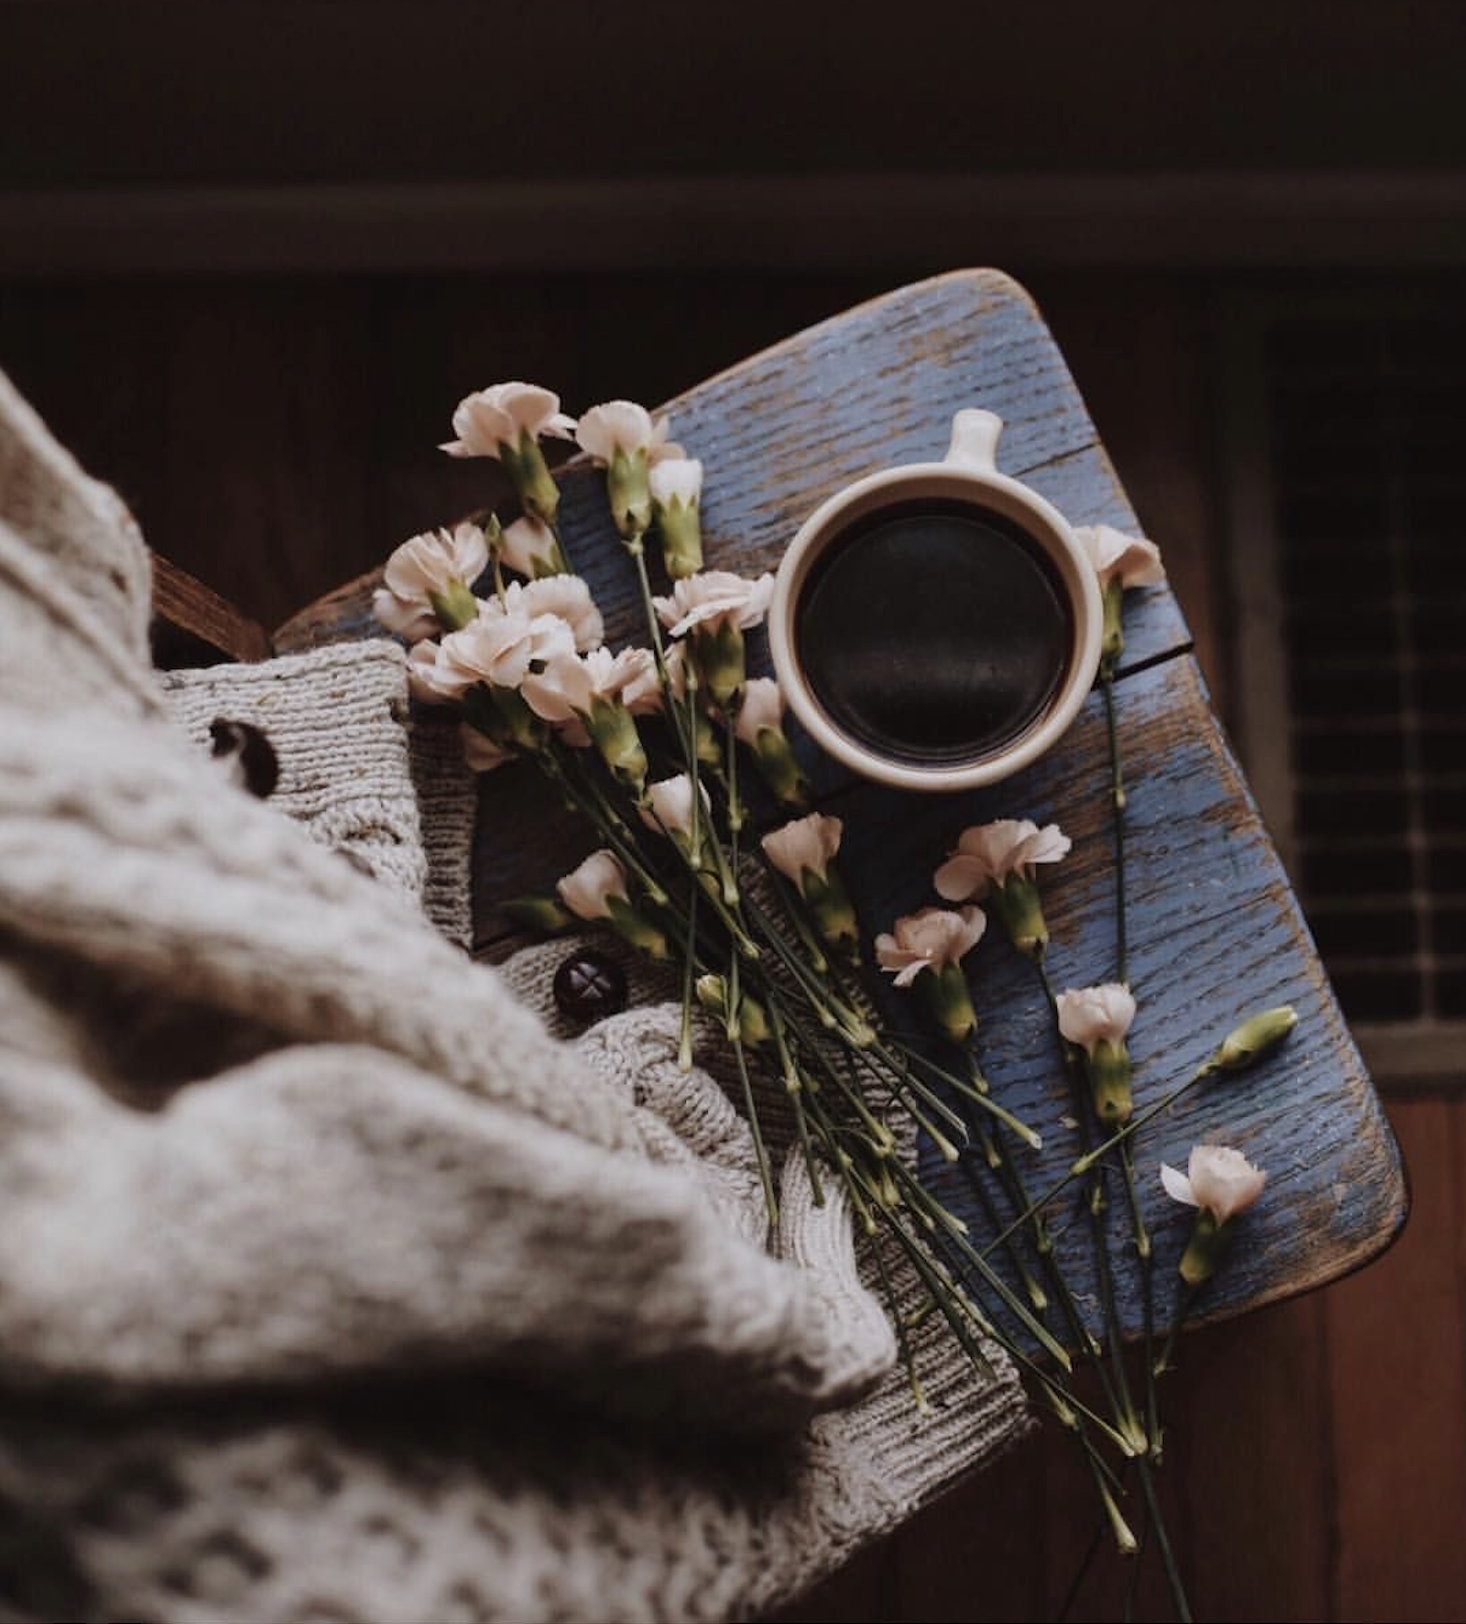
(708,859)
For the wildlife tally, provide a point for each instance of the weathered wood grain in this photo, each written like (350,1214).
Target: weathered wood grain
(193,625)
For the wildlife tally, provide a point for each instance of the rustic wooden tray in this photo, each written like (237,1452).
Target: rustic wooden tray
(1215,929)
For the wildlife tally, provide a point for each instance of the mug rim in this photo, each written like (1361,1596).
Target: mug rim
(1038,518)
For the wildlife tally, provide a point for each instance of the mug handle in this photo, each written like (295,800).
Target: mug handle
(975,441)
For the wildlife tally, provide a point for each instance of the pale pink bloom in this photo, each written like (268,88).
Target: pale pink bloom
(617,425)
(641,693)
(762,706)
(527,543)
(929,940)
(481,754)
(662,449)
(988,853)
(585,890)
(676,479)
(1221,1181)
(713,599)
(498,648)
(1133,559)
(490,419)
(1094,1015)
(424,567)
(566,596)
(570,683)
(671,805)
(804,843)
(424,681)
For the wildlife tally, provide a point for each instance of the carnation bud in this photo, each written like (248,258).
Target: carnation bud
(1257,1036)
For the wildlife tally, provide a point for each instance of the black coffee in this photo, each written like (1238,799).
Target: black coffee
(934,633)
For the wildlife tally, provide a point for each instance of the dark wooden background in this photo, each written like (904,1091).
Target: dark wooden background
(190,200)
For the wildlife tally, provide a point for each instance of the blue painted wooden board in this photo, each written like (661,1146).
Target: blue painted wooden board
(1215,930)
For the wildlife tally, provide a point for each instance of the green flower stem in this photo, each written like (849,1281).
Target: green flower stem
(689,975)
(1094,1205)
(1185,1296)
(735,1037)
(1168,1556)
(946,1300)
(1037,1296)
(614,833)
(686,736)
(794,1087)
(798,915)
(1145,1252)
(920,1199)
(1117,799)
(846,1017)
(1090,1158)
(903,1337)
(967,1091)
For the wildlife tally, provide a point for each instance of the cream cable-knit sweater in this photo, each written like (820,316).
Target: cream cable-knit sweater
(332,1285)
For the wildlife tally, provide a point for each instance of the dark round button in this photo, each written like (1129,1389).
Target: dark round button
(249,753)
(589,986)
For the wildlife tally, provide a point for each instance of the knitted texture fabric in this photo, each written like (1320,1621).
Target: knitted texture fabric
(332,1284)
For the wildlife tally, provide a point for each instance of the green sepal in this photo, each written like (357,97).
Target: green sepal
(778,768)
(1017,903)
(720,661)
(1109,1076)
(613,728)
(1205,1250)
(830,905)
(523,730)
(1112,637)
(681,531)
(530,475)
(950,1002)
(543,913)
(709,746)
(641,933)
(629,492)
(456,607)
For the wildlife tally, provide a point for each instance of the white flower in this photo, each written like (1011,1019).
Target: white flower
(500,416)
(1094,1015)
(585,890)
(988,853)
(662,449)
(529,546)
(566,596)
(423,568)
(676,479)
(622,425)
(671,805)
(1221,1181)
(570,684)
(617,425)
(423,680)
(480,754)
(762,706)
(641,693)
(714,599)
(929,940)
(497,648)
(805,843)
(1132,560)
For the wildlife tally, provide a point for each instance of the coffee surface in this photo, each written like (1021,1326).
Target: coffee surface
(934,633)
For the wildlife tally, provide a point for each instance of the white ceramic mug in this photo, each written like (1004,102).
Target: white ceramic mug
(968,476)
